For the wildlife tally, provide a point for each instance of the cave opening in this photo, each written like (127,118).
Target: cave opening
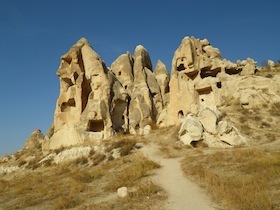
(207,72)
(180,114)
(95,125)
(232,71)
(181,67)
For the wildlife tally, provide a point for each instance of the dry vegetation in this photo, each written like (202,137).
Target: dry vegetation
(239,178)
(259,125)
(83,185)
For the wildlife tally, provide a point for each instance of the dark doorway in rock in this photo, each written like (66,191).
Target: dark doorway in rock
(180,114)
(95,125)
(118,113)
(181,67)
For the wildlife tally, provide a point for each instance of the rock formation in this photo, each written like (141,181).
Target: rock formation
(198,75)
(210,128)
(95,101)
(34,141)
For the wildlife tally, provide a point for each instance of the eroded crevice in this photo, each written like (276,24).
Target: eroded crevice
(86,89)
(68,81)
(66,106)
(232,71)
(205,91)
(207,72)
(192,75)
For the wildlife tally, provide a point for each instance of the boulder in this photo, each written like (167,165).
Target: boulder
(271,64)
(191,130)
(211,141)
(224,127)
(122,192)
(209,120)
(233,138)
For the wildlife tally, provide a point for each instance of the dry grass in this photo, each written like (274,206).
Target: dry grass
(97,159)
(146,195)
(240,179)
(124,143)
(81,160)
(275,109)
(34,163)
(129,175)
(147,189)
(79,184)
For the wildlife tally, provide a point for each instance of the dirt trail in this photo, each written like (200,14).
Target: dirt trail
(182,193)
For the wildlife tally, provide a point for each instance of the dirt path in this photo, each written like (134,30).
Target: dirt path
(182,193)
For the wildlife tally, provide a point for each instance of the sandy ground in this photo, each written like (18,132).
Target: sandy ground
(182,193)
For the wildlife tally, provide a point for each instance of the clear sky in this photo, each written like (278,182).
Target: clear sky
(35,33)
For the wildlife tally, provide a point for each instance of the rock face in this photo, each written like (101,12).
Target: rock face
(35,140)
(198,75)
(95,101)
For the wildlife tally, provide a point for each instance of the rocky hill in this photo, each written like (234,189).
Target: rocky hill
(97,101)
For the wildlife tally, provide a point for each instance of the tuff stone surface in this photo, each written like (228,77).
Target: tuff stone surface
(97,101)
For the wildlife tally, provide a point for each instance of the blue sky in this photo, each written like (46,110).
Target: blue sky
(35,33)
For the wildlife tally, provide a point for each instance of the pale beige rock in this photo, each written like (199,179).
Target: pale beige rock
(162,76)
(122,192)
(233,138)
(35,140)
(84,103)
(224,127)
(96,102)
(192,127)
(248,67)
(209,120)
(141,103)
(211,141)
(211,129)
(271,63)
(122,67)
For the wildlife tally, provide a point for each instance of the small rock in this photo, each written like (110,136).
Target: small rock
(116,153)
(138,145)
(147,129)
(271,63)
(122,192)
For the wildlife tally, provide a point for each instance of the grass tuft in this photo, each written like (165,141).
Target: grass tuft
(146,189)
(81,160)
(275,109)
